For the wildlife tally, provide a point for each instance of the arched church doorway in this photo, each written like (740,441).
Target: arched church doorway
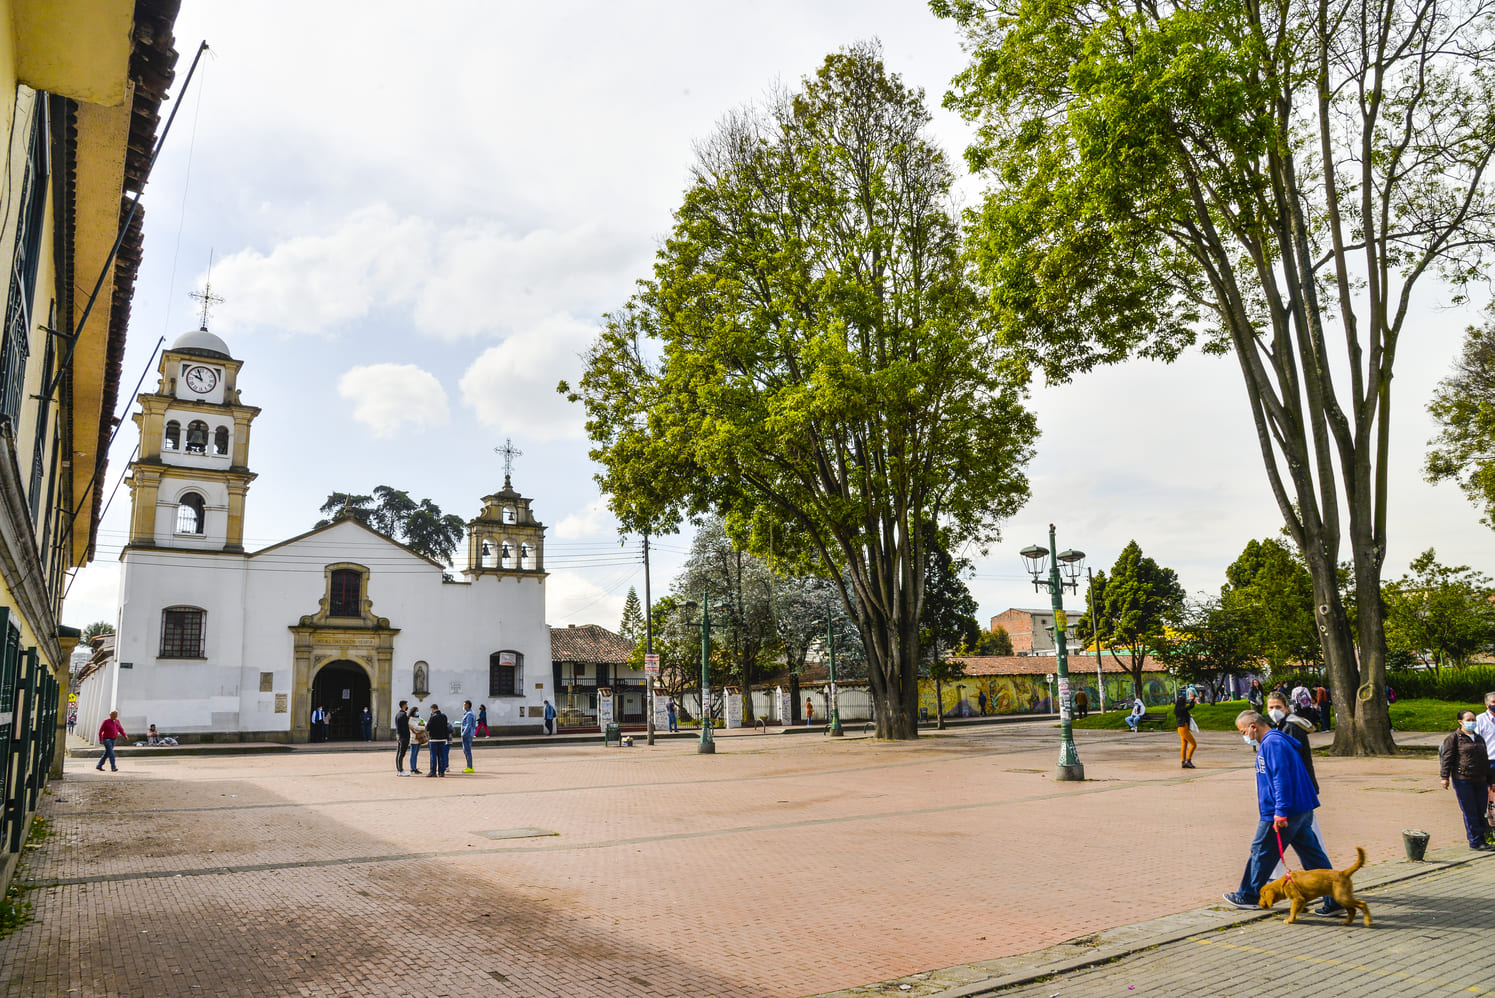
(342,689)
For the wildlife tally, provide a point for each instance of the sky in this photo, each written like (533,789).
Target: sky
(416,216)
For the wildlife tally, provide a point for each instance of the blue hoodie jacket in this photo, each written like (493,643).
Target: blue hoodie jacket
(1282,783)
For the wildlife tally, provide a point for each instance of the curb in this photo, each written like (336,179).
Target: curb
(969,980)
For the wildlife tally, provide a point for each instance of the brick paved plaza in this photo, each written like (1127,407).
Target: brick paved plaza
(782,865)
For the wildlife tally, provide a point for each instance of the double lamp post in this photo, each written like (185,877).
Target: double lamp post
(1046,575)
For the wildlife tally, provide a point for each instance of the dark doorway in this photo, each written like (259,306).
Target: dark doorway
(342,688)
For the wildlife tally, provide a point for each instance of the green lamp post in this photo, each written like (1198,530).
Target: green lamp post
(706,746)
(830,638)
(1036,560)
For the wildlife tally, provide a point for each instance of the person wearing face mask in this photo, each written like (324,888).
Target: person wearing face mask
(1286,801)
(1283,719)
(1484,726)
(1464,757)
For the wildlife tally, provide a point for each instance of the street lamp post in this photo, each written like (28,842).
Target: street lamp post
(1100,680)
(830,639)
(1036,559)
(706,746)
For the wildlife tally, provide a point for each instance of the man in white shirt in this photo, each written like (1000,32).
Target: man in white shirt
(1484,725)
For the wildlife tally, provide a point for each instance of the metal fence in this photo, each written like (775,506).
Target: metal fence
(29,697)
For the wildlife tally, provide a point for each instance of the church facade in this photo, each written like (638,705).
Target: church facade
(216,643)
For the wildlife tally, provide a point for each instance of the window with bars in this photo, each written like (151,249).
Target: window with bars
(190,513)
(347,593)
(505,674)
(181,632)
(15,339)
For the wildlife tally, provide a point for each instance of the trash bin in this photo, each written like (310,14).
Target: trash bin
(923,713)
(612,735)
(1416,842)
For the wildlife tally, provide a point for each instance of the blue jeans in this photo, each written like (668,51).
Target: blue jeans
(439,754)
(672,722)
(415,757)
(108,754)
(1131,721)
(1264,852)
(467,749)
(1472,803)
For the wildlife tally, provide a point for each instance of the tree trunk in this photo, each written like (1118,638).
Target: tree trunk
(939,706)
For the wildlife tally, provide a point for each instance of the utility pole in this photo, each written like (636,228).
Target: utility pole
(648,648)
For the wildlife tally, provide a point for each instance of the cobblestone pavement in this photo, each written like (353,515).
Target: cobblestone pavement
(779,866)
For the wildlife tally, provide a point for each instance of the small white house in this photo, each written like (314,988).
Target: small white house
(216,643)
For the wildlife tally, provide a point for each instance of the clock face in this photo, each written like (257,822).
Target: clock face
(202,379)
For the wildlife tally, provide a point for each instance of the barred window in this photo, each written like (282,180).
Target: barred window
(30,189)
(181,632)
(505,674)
(190,513)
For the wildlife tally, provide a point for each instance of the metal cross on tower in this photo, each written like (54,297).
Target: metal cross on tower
(509,452)
(206,296)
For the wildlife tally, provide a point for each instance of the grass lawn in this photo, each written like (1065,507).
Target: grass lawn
(1406,715)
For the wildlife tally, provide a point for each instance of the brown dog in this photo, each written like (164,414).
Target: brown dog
(1304,886)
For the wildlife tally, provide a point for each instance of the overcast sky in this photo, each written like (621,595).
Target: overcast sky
(419,212)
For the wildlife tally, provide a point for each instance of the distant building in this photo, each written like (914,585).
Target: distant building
(591,662)
(1032,631)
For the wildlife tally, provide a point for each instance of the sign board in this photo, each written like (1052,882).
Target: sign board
(127,665)
(786,709)
(1064,711)
(661,713)
(651,665)
(1061,620)
(604,707)
(733,707)
(282,703)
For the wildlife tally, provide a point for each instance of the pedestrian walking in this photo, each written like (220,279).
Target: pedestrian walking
(418,737)
(669,709)
(1484,726)
(110,732)
(1286,801)
(1299,727)
(367,723)
(72,719)
(402,736)
(1187,743)
(549,718)
(809,712)
(1082,704)
(1325,707)
(318,724)
(469,729)
(1255,697)
(1465,759)
(981,700)
(439,730)
(483,720)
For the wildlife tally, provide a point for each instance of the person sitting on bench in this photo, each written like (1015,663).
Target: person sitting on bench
(1135,717)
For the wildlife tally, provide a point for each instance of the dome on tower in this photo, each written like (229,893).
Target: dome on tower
(201,343)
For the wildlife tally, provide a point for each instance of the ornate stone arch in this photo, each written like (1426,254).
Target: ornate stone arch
(366,640)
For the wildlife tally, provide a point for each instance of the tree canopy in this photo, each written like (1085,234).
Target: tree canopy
(1132,607)
(1269,591)
(1272,180)
(1464,407)
(810,359)
(1440,613)
(420,526)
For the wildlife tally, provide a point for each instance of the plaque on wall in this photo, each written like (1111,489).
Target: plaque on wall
(282,703)
(267,682)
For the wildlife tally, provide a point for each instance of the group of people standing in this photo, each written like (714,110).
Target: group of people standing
(434,732)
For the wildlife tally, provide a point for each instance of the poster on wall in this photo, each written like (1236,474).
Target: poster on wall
(734,707)
(786,709)
(604,707)
(661,713)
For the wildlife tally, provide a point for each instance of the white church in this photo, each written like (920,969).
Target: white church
(215,643)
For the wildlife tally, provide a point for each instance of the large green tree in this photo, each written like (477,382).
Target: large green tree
(1273,179)
(1440,613)
(420,525)
(1131,608)
(1270,592)
(1464,407)
(811,359)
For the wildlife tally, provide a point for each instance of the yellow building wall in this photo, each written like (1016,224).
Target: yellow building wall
(1030,694)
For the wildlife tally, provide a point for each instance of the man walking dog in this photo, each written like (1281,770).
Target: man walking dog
(1286,800)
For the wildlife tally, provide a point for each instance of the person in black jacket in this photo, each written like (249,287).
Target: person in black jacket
(1284,720)
(1464,758)
(402,732)
(440,731)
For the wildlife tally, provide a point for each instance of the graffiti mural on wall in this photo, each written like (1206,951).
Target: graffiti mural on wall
(977,695)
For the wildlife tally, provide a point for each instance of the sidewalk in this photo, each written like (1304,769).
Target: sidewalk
(1432,927)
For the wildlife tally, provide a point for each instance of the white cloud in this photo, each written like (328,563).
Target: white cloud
(588,523)
(389,397)
(572,598)
(511,387)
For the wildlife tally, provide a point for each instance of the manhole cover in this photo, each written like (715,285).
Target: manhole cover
(516,833)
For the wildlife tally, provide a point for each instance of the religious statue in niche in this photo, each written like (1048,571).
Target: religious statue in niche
(422,684)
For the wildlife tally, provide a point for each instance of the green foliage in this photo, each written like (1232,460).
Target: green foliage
(1429,714)
(15,910)
(1467,686)
(1272,180)
(810,360)
(1463,405)
(631,628)
(948,617)
(1440,612)
(993,642)
(420,526)
(1132,607)
(96,628)
(1207,643)
(1270,594)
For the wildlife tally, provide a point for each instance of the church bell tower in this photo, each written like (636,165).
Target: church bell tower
(189,480)
(505,539)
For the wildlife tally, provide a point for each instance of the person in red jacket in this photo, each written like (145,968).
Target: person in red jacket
(110,732)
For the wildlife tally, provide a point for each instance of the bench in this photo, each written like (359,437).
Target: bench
(1163,721)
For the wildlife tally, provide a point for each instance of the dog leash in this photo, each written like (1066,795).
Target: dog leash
(1282,853)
